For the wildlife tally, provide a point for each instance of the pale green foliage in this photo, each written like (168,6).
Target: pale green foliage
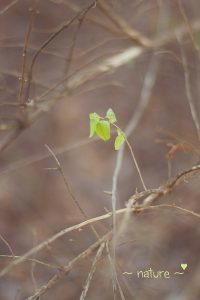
(103,130)
(111,116)
(101,126)
(94,120)
(119,140)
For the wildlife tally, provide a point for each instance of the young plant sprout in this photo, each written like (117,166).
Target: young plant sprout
(101,127)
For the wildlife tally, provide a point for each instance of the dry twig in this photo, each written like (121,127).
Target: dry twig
(66,269)
(90,73)
(146,198)
(92,271)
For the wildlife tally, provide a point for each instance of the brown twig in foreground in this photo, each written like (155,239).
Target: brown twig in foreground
(92,271)
(65,269)
(146,198)
(61,171)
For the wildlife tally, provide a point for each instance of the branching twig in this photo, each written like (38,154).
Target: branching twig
(188,25)
(66,269)
(39,157)
(31,260)
(133,34)
(92,19)
(92,271)
(79,78)
(147,198)
(115,280)
(60,169)
(8,245)
(52,36)
(189,91)
(21,100)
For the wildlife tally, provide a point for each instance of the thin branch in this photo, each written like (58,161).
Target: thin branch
(31,260)
(52,36)
(67,268)
(115,280)
(188,25)
(171,184)
(25,162)
(21,100)
(72,46)
(133,34)
(8,245)
(95,20)
(7,7)
(86,74)
(10,137)
(188,89)
(32,47)
(135,163)
(147,198)
(79,78)
(92,271)
(148,84)
(60,169)
(17,75)
(33,264)
(145,97)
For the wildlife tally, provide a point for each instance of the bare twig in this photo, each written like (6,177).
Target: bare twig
(171,184)
(149,82)
(8,245)
(92,271)
(134,159)
(112,63)
(32,47)
(60,169)
(147,198)
(188,25)
(17,75)
(10,137)
(188,89)
(21,100)
(52,36)
(72,46)
(115,280)
(14,166)
(133,34)
(145,97)
(32,260)
(7,7)
(95,20)
(33,264)
(66,269)
(90,73)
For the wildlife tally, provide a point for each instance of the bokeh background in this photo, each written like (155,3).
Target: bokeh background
(34,200)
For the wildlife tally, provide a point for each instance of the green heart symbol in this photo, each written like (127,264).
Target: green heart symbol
(183,266)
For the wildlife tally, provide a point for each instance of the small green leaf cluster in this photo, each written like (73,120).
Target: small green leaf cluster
(101,127)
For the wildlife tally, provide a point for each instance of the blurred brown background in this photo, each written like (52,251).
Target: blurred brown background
(34,201)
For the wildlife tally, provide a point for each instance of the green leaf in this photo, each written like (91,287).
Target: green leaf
(94,120)
(111,116)
(119,140)
(103,130)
